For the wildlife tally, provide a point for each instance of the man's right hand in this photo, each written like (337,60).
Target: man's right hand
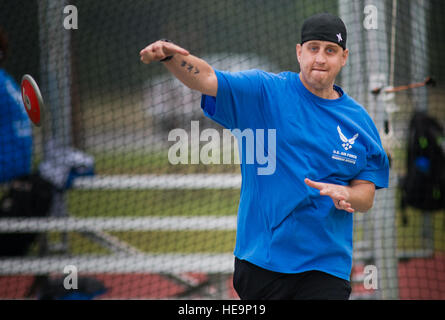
(192,71)
(159,50)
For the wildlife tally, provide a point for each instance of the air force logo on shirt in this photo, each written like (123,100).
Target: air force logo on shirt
(347,142)
(347,145)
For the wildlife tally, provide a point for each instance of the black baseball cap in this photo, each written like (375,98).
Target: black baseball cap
(324,27)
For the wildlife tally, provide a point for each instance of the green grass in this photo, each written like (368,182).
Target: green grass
(78,244)
(153,242)
(180,241)
(153,163)
(138,203)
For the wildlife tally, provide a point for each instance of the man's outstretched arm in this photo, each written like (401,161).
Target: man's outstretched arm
(194,72)
(359,195)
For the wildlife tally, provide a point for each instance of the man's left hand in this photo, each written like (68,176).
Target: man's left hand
(339,194)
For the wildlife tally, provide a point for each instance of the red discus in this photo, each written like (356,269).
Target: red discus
(32,99)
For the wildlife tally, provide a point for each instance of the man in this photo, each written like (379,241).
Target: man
(294,232)
(15,126)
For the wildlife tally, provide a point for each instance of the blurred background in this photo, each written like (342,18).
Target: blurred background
(136,226)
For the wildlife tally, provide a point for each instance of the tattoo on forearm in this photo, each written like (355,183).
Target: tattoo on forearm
(189,67)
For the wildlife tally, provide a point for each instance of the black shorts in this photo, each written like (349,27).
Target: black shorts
(254,283)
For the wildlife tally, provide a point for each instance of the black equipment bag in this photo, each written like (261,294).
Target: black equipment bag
(423,186)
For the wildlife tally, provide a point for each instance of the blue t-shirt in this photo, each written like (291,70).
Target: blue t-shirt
(283,224)
(15,131)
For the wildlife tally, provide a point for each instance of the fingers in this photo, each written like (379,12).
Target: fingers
(336,192)
(160,50)
(153,52)
(171,48)
(343,205)
(340,202)
(325,189)
(313,184)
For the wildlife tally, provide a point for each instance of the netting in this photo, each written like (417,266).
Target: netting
(132,224)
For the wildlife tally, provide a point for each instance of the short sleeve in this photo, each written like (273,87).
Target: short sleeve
(377,163)
(376,171)
(238,95)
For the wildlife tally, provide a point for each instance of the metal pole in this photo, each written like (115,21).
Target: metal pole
(55,71)
(55,82)
(419,71)
(354,81)
(419,52)
(384,213)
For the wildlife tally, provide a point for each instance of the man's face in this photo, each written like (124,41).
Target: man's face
(320,62)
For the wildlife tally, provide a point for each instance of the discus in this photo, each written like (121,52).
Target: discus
(32,99)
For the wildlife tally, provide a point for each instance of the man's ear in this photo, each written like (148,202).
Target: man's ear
(298,51)
(345,56)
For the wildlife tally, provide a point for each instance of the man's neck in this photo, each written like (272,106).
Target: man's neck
(326,93)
